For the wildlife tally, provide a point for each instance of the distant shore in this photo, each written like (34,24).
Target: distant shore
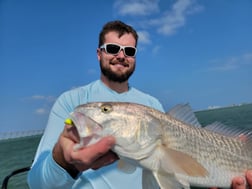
(19,134)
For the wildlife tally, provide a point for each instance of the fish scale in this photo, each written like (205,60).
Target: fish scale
(192,141)
(172,148)
(193,145)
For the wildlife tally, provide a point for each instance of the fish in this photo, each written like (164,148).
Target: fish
(172,148)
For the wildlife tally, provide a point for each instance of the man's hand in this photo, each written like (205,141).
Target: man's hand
(240,183)
(94,156)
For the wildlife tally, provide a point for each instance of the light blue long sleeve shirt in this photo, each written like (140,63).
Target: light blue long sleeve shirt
(47,174)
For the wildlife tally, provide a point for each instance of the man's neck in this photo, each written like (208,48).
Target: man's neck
(119,87)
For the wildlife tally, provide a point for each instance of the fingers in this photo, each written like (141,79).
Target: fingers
(249,178)
(104,160)
(92,156)
(238,183)
(95,155)
(95,151)
(71,132)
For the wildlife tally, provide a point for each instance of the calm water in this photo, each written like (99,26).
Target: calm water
(18,153)
(15,154)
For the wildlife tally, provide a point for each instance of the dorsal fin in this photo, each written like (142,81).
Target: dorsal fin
(184,112)
(231,131)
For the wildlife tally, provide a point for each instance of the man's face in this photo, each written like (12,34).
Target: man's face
(118,67)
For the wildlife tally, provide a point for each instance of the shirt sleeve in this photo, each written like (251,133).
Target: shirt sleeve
(45,173)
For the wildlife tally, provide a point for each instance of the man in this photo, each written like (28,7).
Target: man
(56,164)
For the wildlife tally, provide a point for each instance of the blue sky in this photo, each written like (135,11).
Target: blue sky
(192,51)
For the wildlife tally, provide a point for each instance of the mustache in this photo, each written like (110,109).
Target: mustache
(119,61)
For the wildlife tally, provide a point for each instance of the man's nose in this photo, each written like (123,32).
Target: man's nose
(121,54)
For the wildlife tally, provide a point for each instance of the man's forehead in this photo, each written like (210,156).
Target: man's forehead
(126,38)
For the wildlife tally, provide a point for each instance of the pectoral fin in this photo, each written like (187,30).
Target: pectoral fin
(154,180)
(170,181)
(179,162)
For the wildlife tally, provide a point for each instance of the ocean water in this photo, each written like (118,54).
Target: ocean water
(235,116)
(17,153)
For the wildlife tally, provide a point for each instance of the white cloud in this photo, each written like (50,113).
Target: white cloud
(144,37)
(231,63)
(42,102)
(165,23)
(149,17)
(45,98)
(175,18)
(136,7)
(41,111)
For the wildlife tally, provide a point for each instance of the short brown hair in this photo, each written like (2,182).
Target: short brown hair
(117,26)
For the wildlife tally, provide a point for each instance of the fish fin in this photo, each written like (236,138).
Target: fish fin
(87,128)
(184,112)
(126,167)
(170,181)
(148,180)
(241,134)
(229,130)
(179,162)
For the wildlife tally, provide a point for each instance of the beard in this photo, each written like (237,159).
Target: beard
(114,76)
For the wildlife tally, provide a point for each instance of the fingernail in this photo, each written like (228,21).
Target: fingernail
(240,181)
(111,140)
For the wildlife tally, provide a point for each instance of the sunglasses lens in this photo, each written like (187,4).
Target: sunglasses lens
(113,49)
(130,51)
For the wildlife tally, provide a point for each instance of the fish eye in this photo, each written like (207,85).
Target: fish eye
(106,108)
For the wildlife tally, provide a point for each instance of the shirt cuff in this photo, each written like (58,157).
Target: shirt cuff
(58,174)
